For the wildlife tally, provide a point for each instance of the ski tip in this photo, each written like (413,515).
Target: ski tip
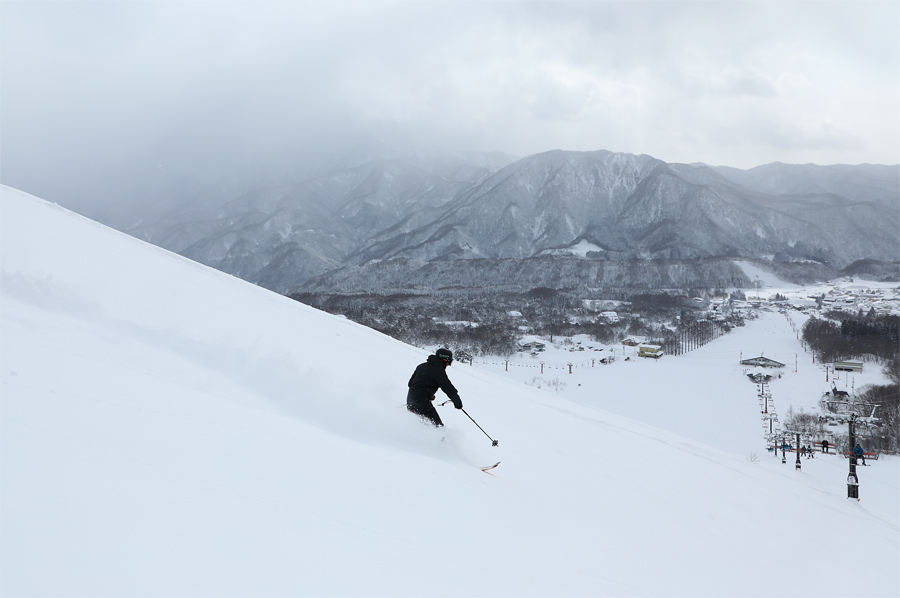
(488,467)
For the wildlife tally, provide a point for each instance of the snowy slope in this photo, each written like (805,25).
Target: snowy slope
(171,430)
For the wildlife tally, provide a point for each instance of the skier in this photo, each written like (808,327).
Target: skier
(858,451)
(425,382)
(825,446)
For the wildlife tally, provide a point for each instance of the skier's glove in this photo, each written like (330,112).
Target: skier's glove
(457,402)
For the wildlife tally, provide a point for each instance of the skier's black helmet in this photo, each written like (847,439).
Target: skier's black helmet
(445,355)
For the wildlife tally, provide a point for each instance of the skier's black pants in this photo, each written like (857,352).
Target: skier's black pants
(426,411)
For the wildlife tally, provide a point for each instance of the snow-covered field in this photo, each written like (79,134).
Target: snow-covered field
(704,394)
(169,430)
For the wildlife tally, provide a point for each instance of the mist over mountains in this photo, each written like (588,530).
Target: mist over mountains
(559,219)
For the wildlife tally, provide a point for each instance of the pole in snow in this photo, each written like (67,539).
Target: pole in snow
(852,479)
(493,442)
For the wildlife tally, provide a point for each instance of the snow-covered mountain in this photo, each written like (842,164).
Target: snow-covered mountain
(280,237)
(595,205)
(171,430)
(628,206)
(874,183)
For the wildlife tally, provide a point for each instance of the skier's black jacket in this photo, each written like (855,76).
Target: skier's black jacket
(426,380)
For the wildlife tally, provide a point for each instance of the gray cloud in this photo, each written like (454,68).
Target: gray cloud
(114,100)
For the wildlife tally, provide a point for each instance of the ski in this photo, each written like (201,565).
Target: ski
(490,467)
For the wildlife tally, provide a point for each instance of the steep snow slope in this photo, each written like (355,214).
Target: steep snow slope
(171,430)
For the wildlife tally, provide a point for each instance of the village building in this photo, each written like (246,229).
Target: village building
(533,346)
(654,351)
(762,362)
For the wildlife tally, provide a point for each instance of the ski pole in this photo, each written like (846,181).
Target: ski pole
(493,442)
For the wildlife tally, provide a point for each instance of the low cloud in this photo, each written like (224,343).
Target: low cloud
(110,101)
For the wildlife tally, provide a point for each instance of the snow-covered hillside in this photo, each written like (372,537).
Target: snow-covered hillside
(350,224)
(171,430)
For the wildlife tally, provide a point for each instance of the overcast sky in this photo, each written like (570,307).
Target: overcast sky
(98,98)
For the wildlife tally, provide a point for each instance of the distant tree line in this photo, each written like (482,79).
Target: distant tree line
(840,336)
(492,324)
(473,325)
(886,435)
(692,335)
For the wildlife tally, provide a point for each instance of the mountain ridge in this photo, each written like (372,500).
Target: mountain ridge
(427,208)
